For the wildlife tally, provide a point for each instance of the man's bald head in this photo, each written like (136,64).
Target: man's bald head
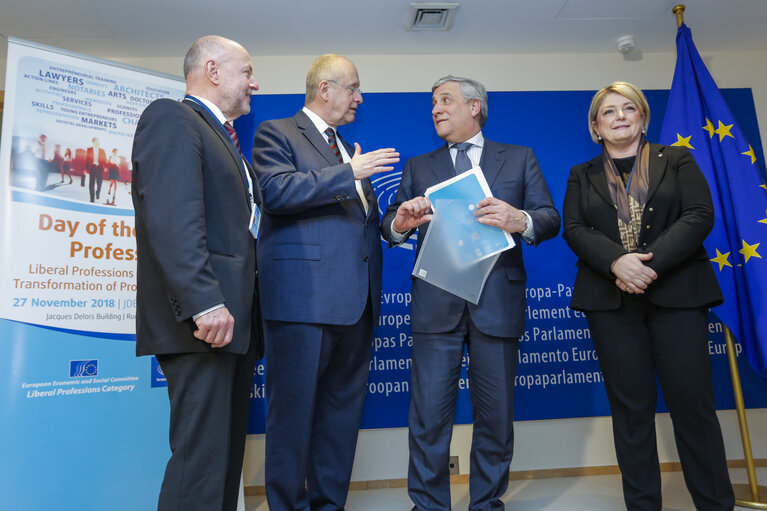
(205,48)
(325,67)
(219,70)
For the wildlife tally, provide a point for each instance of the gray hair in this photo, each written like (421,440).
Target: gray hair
(204,48)
(471,89)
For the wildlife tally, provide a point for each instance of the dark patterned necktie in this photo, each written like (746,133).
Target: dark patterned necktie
(233,135)
(462,161)
(333,143)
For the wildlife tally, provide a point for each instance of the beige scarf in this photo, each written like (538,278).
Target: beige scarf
(629,200)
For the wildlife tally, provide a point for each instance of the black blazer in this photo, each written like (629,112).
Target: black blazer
(192,213)
(677,218)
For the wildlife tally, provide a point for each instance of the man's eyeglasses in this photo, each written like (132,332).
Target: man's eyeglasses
(348,87)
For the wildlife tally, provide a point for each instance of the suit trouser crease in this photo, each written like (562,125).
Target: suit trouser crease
(634,344)
(209,394)
(315,388)
(437,360)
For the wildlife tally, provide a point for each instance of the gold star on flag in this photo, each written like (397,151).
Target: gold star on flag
(763,221)
(750,153)
(710,128)
(724,131)
(749,251)
(721,259)
(763,186)
(683,141)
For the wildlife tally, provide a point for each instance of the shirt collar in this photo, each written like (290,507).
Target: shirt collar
(212,107)
(478,140)
(318,122)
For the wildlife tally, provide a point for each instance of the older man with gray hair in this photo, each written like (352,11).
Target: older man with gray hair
(319,261)
(444,324)
(195,199)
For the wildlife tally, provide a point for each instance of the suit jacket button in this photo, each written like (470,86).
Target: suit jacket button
(365,258)
(647,226)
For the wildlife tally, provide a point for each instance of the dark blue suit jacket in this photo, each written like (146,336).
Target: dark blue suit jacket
(514,177)
(319,254)
(192,212)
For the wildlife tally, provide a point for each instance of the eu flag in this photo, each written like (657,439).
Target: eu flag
(698,118)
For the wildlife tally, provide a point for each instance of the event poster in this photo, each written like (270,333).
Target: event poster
(81,414)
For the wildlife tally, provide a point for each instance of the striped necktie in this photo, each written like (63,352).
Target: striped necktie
(462,161)
(233,135)
(331,134)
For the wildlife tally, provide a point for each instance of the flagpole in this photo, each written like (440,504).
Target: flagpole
(743,492)
(752,489)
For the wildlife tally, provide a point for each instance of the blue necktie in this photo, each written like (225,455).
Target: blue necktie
(462,161)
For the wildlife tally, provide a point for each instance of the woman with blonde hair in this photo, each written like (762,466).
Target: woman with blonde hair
(636,216)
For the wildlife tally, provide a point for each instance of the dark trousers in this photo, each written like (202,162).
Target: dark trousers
(635,344)
(95,180)
(316,381)
(209,402)
(434,378)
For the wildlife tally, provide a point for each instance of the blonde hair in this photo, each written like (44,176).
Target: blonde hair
(325,67)
(626,90)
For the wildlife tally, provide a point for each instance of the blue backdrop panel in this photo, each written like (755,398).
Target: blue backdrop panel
(66,389)
(558,373)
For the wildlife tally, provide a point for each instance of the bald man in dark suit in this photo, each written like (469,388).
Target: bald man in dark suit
(196,199)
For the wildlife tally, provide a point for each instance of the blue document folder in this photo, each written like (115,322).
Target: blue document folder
(458,252)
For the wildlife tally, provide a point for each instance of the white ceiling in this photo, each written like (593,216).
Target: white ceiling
(165,28)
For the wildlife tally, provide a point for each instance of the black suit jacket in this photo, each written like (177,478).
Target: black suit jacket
(192,213)
(514,177)
(677,218)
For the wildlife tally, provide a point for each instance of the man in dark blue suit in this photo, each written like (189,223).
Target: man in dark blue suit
(195,199)
(443,323)
(319,261)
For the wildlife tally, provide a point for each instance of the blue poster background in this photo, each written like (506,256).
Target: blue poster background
(558,374)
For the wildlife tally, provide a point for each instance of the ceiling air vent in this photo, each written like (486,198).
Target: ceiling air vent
(430,16)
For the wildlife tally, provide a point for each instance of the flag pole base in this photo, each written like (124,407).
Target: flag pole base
(744,497)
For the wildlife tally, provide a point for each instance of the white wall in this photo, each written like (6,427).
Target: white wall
(511,72)
(382,454)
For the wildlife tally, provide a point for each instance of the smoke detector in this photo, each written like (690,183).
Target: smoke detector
(626,44)
(430,16)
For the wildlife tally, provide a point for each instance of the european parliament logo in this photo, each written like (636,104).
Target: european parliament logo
(157,377)
(386,186)
(83,368)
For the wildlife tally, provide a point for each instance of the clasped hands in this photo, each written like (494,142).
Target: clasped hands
(632,275)
(490,211)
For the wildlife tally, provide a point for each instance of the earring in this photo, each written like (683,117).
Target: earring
(644,131)
(599,137)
